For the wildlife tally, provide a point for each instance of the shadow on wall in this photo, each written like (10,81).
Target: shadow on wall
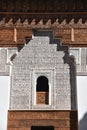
(72,65)
(70,59)
(83,123)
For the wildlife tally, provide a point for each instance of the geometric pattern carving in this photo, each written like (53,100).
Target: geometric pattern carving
(5,55)
(40,57)
(79,53)
(42,97)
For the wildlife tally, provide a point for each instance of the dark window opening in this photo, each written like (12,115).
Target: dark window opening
(42,84)
(42,90)
(42,128)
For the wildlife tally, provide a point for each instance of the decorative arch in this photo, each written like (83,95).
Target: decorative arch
(42,84)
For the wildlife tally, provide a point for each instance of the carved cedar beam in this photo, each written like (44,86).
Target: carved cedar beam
(61,16)
(43,5)
(47,23)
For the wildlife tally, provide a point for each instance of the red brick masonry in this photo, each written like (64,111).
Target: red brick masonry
(77,37)
(60,120)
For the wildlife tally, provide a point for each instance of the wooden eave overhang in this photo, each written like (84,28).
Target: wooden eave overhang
(68,20)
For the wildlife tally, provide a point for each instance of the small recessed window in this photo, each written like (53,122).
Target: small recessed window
(42,90)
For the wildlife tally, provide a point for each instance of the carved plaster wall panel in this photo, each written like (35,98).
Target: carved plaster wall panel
(80,55)
(41,56)
(5,60)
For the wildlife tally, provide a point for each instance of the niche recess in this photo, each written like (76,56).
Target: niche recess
(42,90)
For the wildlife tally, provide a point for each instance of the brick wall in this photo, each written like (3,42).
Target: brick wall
(65,34)
(61,120)
(8,38)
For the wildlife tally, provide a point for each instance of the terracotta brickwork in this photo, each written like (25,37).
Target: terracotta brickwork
(23,120)
(6,34)
(76,38)
(22,34)
(10,38)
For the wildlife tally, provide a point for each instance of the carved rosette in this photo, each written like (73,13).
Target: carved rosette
(42,97)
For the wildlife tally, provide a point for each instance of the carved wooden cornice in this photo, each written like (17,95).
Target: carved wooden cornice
(67,18)
(71,29)
(43,5)
(42,24)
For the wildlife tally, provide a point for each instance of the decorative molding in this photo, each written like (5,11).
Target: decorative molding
(43,22)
